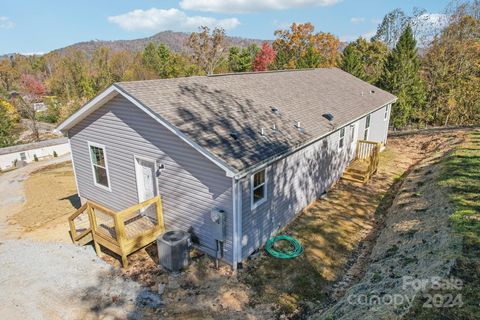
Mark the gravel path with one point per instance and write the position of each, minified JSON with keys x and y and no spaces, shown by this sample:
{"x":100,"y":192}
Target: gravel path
{"x":64,"y":281}
{"x":52,"y":280}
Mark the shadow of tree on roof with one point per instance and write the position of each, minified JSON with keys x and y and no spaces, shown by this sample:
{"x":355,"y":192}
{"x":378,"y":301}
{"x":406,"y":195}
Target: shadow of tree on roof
{"x":231,"y":126}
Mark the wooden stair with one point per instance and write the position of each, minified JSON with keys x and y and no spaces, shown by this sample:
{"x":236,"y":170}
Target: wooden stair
{"x":365,"y":163}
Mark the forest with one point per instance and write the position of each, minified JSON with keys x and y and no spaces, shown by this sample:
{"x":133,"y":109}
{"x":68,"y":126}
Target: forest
{"x":432,"y":67}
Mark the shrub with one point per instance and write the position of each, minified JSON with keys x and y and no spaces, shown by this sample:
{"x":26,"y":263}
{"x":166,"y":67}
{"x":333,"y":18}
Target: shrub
{"x":35,"y":158}
{"x":55,"y":154}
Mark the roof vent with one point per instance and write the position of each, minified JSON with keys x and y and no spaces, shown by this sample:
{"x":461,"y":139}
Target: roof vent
{"x":234,"y":135}
{"x":262,"y":132}
{"x":274,"y":127}
{"x":275,"y":110}
{"x":298,"y":125}
{"x":372,"y":91}
{"x":328,"y":116}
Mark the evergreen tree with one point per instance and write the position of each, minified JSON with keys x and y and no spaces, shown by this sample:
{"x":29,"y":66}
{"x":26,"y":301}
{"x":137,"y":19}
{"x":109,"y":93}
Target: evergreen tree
{"x":160,"y":60}
{"x":240,"y":60}
{"x":352,"y":62}
{"x":401,"y":77}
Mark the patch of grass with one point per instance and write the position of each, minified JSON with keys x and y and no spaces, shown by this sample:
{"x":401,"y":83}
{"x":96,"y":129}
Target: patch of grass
{"x":377,"y":277}
{"x":461,"y":176}
{"x":392,"y":250}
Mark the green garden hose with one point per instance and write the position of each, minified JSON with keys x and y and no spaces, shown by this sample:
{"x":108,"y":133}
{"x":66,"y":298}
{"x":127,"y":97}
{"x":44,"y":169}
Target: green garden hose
{"x":284,"y":254}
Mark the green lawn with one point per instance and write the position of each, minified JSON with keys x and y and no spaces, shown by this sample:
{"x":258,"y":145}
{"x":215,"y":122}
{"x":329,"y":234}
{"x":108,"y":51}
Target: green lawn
{"x":461,"y":177}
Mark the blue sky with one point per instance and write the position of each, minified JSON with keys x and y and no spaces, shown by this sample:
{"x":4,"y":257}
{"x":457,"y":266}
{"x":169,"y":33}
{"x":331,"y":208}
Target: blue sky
{"x":32,"y":26}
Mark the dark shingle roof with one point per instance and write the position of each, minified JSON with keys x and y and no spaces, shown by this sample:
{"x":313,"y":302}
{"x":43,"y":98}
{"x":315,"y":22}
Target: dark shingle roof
{"x":209,"y":109}
{"x":33,"y":145}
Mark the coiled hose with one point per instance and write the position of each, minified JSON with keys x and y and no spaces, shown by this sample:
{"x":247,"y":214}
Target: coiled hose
{"x":296,"y":250}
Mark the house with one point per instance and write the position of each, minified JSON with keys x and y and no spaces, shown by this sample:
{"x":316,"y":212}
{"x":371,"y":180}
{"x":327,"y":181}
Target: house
{"x":10,"y":156}
{"x":257,"y":147}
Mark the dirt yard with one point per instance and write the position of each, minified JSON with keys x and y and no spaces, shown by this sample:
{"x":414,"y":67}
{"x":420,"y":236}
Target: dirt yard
{"x":338,"y":233}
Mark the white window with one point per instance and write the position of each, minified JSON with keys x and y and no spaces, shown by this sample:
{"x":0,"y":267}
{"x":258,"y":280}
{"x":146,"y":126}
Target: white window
{"x":98,"y":158}
{"x":342,"y":138}
{"x":367,"y":128}
{"x":259,"y":188}
{"x":386,"y":112}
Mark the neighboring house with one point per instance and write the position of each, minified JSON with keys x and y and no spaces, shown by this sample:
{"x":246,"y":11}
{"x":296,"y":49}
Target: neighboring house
{"x":255,"y":145}
{"x":9,"y":156}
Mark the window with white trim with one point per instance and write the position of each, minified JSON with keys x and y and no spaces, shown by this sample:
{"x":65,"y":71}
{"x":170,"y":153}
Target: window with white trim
{"x":367,"y":128}
{"x":259,"y":188}
{"x":341,"y":141}
{"x":23,"y":156}
{"x":386,"y":112}
{"x":99,"y":165}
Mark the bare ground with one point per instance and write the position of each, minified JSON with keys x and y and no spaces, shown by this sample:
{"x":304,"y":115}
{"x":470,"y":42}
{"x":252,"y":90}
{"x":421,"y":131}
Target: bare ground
{"x":338,"y":234}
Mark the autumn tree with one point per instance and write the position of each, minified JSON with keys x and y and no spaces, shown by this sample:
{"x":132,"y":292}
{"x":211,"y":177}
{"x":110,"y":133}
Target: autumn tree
{"x":301,"y":47}
{"x":264,"y":58}
{"x":207,"y":48}
{"x":451,"y":69}
{"x":100,"y":65}
{"x":7,"y":126}
{"x":241,"y":59}
{"x":8,"y":75}
{"x":32,"y":92}
{"x":401,"y":77}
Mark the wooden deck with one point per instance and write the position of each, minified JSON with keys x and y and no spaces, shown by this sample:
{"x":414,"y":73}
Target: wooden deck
{"x":121,"y":232}
{"x":365,"y":163}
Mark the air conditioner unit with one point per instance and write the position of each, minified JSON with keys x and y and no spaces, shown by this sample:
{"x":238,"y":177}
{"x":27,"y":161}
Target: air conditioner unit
{"x":173,"y":250}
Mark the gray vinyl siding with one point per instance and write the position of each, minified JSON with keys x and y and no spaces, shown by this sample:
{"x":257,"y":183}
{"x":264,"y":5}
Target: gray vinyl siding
{"x":190,"y":185}
{"x":378,"y":126}
{"x":299,"y":179}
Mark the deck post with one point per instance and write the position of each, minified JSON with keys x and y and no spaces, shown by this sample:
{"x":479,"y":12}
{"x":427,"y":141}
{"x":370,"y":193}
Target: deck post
{"x":93,"y":225}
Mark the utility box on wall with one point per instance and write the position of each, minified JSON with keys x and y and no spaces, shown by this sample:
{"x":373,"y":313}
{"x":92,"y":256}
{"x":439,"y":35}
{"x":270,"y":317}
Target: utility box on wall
{"x":218,"y":218}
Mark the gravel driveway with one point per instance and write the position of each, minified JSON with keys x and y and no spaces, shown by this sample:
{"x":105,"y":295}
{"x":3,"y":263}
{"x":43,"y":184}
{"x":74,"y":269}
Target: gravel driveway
{"x":52,"y":280}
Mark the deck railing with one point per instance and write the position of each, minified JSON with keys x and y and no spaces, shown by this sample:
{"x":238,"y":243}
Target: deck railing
{"x":122,"y":232}
{"x":365,"y":163}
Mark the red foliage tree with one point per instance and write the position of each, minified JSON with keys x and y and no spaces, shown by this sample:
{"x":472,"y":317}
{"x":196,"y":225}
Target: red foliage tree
{"x":32,"y":86}
{"x":264,"y":58}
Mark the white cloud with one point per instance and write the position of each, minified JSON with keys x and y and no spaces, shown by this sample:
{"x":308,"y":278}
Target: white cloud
{"x":168,"y":19}
{"x":357,"y":20}
{"x":376,"y":21}
{"x":243,"y":6}
{"x":6,"y":23}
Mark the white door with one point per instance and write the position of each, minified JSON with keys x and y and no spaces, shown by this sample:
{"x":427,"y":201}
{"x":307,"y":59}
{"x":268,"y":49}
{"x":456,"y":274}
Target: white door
{"x":353,"y":139}
{"x":146,"y":180}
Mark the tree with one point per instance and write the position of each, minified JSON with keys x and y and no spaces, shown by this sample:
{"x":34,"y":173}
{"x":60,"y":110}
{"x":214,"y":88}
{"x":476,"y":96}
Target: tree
{"x":160,"y":60}
{"x":451,"y":69}
{"x":401,"y":77}
{"x":32,"y":92}
{"x":7,"y":127}
{"x":207,"y":48}
{"x":241,"y":59}
{"x":101,"y":73}
{"x":300,"y":47}
{"x":372,"y":56}
{"x":264,"y":58}
{"x":8,"y":75}
{"x":352,"y":62}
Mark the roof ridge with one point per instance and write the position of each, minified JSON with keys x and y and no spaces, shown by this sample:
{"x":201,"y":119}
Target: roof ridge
{"x":260,"y":72}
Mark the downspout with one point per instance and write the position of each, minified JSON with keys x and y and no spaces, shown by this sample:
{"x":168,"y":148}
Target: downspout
{"x":237,"y":222}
